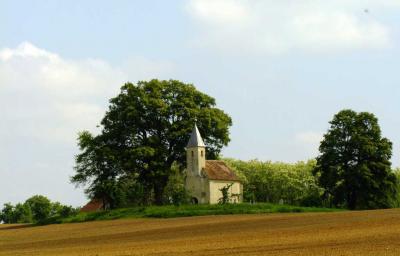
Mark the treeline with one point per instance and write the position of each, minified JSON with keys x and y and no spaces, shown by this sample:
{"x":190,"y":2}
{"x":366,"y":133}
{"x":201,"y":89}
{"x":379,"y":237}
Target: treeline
{"x":285,"y":183}
{"x":263,"y":182}
{"x":36,"y":209}
{"x":277,"y":182}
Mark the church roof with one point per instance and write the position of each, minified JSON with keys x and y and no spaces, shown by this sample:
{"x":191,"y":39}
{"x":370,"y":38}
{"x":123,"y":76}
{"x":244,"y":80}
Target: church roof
{"x":195,"y":139}
{"x":218,"y":170}
{"x":93,"y":205}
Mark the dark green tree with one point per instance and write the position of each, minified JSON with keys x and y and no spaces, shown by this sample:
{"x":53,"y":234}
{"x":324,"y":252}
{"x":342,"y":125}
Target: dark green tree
{"x":23,"y":213}
{"x":7,"y":214}
{"x":40,"y":207}
{"x":354,"y":164}
{"x":145,"y":131}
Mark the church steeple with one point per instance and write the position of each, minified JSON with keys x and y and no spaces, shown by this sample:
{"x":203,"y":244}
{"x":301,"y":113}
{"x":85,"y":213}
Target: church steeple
{"x":195,"y":139}
{"x":195,"y":153}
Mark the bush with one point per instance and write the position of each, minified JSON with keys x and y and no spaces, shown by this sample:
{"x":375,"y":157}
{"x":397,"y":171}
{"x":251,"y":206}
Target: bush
{"x":67,"y":211}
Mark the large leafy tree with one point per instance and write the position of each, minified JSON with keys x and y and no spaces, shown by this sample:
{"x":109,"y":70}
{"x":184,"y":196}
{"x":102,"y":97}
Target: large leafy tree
{"x":40,"y":207}
{"x":354,"y":163}
{"x":145,"y":131}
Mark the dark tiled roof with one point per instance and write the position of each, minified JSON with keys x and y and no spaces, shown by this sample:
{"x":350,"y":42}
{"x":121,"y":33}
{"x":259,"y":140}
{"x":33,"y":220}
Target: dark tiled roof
{"x":93,"y":205}
{"x":218,"y":170}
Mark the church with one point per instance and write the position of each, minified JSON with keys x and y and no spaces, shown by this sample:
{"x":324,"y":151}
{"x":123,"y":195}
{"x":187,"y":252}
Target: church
{"x":206,"y":178}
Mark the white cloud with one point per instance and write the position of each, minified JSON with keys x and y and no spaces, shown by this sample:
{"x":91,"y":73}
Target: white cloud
{"x":45,"y":100}
{"x":271,"y":27}
{"x":220,"y":12}
{"x":45,"y":96}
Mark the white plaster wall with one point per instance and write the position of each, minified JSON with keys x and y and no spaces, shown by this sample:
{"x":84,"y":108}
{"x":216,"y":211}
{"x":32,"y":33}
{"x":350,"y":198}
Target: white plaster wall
{"x":216,"y":194}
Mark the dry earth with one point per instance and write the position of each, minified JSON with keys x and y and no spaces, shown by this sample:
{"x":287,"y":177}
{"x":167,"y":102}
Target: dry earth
{"x":341,"y":233}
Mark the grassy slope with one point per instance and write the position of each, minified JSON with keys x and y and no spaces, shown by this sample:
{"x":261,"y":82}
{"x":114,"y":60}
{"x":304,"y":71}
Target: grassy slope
{"x":186,"y":211}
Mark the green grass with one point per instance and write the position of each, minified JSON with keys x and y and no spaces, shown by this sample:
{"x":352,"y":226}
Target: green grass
{"x":186,"y":211}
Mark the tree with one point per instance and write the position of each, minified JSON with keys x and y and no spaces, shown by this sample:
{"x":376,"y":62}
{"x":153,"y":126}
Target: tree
{"x":7,"y":214}
{"x":40,"y":206}
{"x":35,"y":209}
{"x":397,"y":173}
{"x":354,"y":164}
{"x":175,"y":192}
{"x":23,"y":213}
{"x":145,"y":131}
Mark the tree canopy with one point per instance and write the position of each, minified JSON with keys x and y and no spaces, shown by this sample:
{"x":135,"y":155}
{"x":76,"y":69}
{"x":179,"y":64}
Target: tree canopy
{"x":144,"y":132}
{"x":275,"y":182}
{"x":354,"y":164}
{"x":35,"y":209}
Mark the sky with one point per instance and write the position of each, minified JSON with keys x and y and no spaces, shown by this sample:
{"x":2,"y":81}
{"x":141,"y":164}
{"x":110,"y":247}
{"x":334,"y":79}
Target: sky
{"x":280,"y":69}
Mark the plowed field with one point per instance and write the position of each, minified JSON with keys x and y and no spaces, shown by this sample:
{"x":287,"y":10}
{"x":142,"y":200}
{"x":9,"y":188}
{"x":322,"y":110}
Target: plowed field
{"x":340,"y":233}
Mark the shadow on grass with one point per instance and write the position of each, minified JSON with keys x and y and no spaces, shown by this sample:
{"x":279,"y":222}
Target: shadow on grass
{"x":17,"y":226}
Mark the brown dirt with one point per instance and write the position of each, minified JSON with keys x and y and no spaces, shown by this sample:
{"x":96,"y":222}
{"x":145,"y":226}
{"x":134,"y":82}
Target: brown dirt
{"x":342,"y":233}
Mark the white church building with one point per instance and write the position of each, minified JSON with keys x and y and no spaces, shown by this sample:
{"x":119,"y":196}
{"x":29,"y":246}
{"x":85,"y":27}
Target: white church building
{"x":205,"y":178}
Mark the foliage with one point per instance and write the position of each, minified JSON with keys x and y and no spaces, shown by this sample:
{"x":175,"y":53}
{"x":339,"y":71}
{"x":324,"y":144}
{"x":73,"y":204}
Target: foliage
{"x":225,"y":194}
{"x":175,"y":192}
{"x":354,"y":163}
{"x":145,"y":131}
{"x":64,"y":211}
{"x":40,"y":207}
{"x":7,"y":214}
{"x":171,"y":211}
{"x":37,"y":209}
{"x":271,"y":182}
{"x":23,"y":213}
{"x":397,"y":199}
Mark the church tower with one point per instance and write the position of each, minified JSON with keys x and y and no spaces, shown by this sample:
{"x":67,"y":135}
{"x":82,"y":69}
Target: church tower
{"x":205,"y":178}
{"x":195,"y":153}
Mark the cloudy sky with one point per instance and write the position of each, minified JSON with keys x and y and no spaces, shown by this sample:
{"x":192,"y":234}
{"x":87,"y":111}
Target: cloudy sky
{"x":281,"y":69}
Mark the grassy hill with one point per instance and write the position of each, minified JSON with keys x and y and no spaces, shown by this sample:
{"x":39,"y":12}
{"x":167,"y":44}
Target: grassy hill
{"x":186,"y":211}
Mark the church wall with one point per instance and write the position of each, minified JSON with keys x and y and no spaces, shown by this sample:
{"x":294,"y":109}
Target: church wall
{"x":198,"y":187}
{"x":216,"y":194}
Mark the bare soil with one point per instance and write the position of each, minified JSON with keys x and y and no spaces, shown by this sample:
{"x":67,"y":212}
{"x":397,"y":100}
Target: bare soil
{"x":339,"y":233}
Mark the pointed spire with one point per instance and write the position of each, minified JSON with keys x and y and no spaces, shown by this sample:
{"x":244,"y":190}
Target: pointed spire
{"x":195,"y":139}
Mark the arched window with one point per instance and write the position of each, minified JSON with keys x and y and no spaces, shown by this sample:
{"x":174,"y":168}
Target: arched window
{"x":192,"y":153}
{"x":202,"y":153}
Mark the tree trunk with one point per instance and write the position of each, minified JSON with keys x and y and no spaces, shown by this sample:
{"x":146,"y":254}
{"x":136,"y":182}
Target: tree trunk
{"x":158,"y":194}
{"x":352,"y":200}
{"x":159,"y":190}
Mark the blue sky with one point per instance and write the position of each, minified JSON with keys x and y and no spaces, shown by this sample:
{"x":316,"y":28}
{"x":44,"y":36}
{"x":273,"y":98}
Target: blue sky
{"x":281,"y":69}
